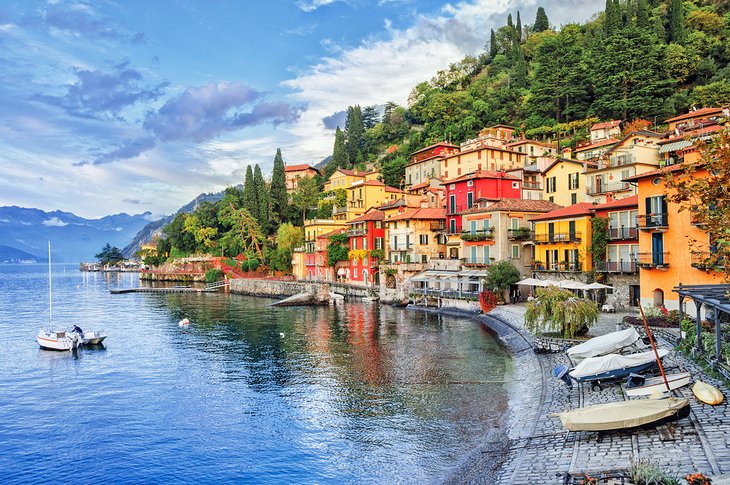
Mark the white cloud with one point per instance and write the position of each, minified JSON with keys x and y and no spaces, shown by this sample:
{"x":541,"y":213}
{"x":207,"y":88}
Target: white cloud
{"x":54,"y":222}
{"x":311,"y":5}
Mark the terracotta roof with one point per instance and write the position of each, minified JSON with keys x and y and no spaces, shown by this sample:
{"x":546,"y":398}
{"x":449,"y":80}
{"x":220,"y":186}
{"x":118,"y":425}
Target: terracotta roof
{"x":481,"y":174}
{"x":696,"y":113}
{"x":579,"y":209}
{"x":671,"y":168}
{"x":391,"y":205}
{"x":570,"y":160}
{"x":439,"y":144}
{"x":599,"y":143}
{"x":605,"y":124}
{"x":376,"y":183}
{"x":422,"y":185}
{"x":331,"y":233}
{"x":516,"y":205}
{"x":632,"y":201}
{"x":354,"y":173}
{"x":648,"y":133}
{"x":370,"y":215}
{"x":420,"y":213}
{"x":298,"y":168}
{"x":534,"y":142}
{"x":423,"y":160}
{"x":393,"y":190}
{"x":693,"y":133}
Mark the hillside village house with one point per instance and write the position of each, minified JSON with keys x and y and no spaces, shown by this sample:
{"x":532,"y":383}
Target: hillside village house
{"x":531,"y":177}
{"x":501,"y":231}
{"x":635,"y":153}
{"x":486,"y":152}
{"x":603,"y":136}
{"x":564,"y":181}
{"x":415,"y":235}
{"x":313,"y":229}
{"x":561,"y":238}
{"x":367,"y":247}
{"x":533,"y":149}
{"x":293,"y":173}
{"x":425,"y":164}
{"x":343,"y":178}
{"x":362,"y":195}
{"x":664,"y":258}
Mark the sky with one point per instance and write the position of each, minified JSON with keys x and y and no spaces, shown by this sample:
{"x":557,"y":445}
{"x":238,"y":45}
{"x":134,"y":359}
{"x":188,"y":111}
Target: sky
{"x":131,"y":106}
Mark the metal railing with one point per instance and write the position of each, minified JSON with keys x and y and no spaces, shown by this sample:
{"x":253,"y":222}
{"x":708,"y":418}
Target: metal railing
{"x":478,"y":235}
{"x":357,"y":232}
{"x":558,"y":267}
{"x":558,"y":237}
{"x":653,"y":221}
{"x":604,"y":188}
{"x":616,"y":267}
{"x":653,"y":259}
{"x":531,"y":185}
{"x":618,"y":233}
{"x":519,"y":234}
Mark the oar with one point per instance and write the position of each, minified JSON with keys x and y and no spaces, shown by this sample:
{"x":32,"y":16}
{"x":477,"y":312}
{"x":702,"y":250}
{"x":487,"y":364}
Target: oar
{"x":653,"y":346}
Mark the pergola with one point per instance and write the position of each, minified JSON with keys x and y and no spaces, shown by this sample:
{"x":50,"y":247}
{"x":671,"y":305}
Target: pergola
{"x":710,"y":296}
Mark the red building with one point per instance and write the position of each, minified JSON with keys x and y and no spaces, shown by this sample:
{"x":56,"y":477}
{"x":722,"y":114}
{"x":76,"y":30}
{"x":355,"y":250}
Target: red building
{"x":367,"y":247}
{"x":462,"y":193}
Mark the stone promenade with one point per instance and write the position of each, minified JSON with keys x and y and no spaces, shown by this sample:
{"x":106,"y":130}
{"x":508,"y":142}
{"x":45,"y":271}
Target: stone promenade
{"x":539,"y":450}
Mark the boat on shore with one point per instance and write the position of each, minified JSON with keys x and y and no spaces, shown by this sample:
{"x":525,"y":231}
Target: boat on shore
{"x":652,"y":385}
{"x":707,"y":394}
{"x":610,"y":343}
{"x":624,"y":414}
{"x":615,"y":366}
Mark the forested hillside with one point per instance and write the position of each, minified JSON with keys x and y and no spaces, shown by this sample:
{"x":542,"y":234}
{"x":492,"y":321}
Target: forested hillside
{"x":646,"y":59}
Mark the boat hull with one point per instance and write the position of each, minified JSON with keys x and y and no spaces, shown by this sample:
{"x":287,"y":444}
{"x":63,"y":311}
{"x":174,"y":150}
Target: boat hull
{"x":60,"y":341}
{"x":624,"y":415}
{"x":707,"y":394}
{"x":654,"y":384}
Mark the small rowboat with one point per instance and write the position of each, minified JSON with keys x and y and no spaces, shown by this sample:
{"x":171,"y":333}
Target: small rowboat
{"x":624,"y":414}
{"x":656,"y":384}
{"x":706,"y":393}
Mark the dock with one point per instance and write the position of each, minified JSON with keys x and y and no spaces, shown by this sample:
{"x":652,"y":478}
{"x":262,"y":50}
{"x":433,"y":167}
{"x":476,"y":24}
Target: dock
{"x":173,"y":289}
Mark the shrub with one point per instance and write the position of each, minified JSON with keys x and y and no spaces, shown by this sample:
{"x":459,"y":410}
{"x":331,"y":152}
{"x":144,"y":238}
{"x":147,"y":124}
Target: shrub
{"x":253,"y":264}
{"x":245,"y":266}
{"x":644,"y":472}
{"x":556,"y":309}
{"x":213,"y":275}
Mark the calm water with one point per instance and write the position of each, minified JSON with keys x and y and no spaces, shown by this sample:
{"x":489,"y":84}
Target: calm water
{"x":357,"y":393}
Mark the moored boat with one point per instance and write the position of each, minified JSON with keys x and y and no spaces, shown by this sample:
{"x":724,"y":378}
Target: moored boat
{"x":624,"y":414}
{"x":57,"y":340}
{"x":605,"y":344}
{"x":615,"y":366}
{"x":652,"y":385}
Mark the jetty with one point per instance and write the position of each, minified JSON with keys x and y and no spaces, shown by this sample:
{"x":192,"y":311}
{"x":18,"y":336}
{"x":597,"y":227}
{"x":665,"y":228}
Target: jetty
{"x":210,"y":287}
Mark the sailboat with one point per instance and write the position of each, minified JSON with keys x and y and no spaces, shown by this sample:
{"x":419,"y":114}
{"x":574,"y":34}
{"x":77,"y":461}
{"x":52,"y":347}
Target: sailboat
{"x":49,"y":338}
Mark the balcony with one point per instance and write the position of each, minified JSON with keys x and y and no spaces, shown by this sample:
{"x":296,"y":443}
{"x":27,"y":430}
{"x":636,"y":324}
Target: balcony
{"x":617,"y":267}
{"x":519,"y":234}
{"x":558,"y":237}
{"x":356,"y":232}
{"x":338,"y":210}
{"x":531,"y":186}
{"x":562,"y":267}
{"x":457,"y":209}
{"x":621,"y":160}
{"x":653,"y":260}
{"x":653,"y":222}
{"x":623,"y":233}
{"x":400,"y":247}
{"x":707,"y":260}
{"x":476,"y":262}
{"x":476,"y":236}
{"x":437,"y":226}
{"x":605,"y":188}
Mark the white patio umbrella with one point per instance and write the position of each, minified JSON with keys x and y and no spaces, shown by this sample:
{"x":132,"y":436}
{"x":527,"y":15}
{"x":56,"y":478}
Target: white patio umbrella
{"x":573,"y":285}
{"x":529,"y":282}
{"x":547,"y":283}
{"x":596,"y":286}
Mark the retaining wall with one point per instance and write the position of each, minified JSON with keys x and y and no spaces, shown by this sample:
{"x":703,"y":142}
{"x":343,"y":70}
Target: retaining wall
{"x":272,"y":289}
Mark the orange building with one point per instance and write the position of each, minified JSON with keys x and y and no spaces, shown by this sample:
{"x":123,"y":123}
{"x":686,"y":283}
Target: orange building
{"x":294,"y":172}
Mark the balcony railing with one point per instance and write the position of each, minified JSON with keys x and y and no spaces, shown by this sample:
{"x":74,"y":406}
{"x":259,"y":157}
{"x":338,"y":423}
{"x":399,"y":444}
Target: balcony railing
{"x":616,"y":267}
{"x":565,"y":266}
{"x":653,"y":260}
{"x":558,"y":237}
{"x":621,"y":233}
{"x":653,"y":221}
{"x":531,"y":185}
{"x":338,"y":210}
{"x":481,"y":262}
{"x":437,"y":226}
{"x":605,"y":188}
{"x":456,"y":209}
{"x":357,"y":232}
{"x":707,"y":260}
{"x":480,"y":235}
{"x":400,"y":247}
{"x":519,"y":234}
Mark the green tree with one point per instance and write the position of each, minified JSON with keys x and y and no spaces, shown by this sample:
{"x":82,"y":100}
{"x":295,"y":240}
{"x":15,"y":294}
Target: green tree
{"x":676,"y":21}
{"x":541,"y":21}
{"x":355,"y":135}
{"x":180,"y":238}
{"x":611,"y":17}
{"x":713,"y":94}
{"x":250,"y":193}
{"x":519,"y":27}
{"x":560,"y":310}
{"x":243,"y":233}
{"x":492,"y":44}
{"x":289,"y":236}
{"x":339,"y":155}
{"x":501,"y":275}
{"x":279,"y":196}
{"x":642,"y":14}
{"x":109,"y":255}
{"x":370,"y":117}
{"x":262,"y":199}
{"x":306,"y":195}
{"x":393,"y":171}
{"x":337,"y":249}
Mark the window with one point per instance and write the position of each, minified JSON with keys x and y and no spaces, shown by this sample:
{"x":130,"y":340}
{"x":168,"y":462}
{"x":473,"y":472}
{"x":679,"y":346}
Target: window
{"x":423,"y":239}
{"x":452,"y":186}
{"x":515,"y":185}
{"x":452,"y":226}
{"x":514,"y":223}
{"x":365,"y":244}
{"x":551,"y":198}
{"x":515,"y":251}
{"x":485,"y":224}
{"x":474,"y":254}
{"x":408,"y":223}
{"x":378,"y":224}
{"x":378,"y":243}
{"x":354,"y":261}
{"x":452,"y":204}
{"x":469,"y":183}
{"x":486,"y":254}
{"x":365,"y":261}
{"x":573,"y":181}
{"x":469,"y":199}
{"x":473,"y":226}
{"x":354,"y":243}
{"x":573,"y":198}
{"x":550,"y":185}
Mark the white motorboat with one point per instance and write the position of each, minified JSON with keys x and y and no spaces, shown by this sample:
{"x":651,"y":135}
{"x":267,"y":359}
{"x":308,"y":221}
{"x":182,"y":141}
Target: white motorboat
{"x":652,"y":385}
{"x":49,"y":338}
{"x":89,"y":337}
{"x":610,"y":343}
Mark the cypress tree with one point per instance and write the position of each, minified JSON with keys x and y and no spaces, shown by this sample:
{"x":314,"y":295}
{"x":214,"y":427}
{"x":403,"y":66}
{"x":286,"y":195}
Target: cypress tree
{"x":262,"y":199}
{"x":279,"y":196}
{"x":492,"y":44}
{"x":250,"y":194}
{"x":355,"y":134}
{"x":509,"y":21}
{"x":541,"y":21}
{"x":339,"y":155}
{"x":642,"y":14}
{"x":676,"y":21}
{"x":611,"y":18}
{"x":519,"y":27}
{"x":370,"y":117}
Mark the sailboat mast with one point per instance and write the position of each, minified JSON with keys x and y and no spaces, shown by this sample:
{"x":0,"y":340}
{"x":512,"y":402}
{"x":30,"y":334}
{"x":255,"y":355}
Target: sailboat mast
{"x":50,"y":290}
{"x":653,"y":346}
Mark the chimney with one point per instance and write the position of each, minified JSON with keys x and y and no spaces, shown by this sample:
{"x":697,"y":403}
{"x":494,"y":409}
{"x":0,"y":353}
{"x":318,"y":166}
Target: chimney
{"x":567,"y":152}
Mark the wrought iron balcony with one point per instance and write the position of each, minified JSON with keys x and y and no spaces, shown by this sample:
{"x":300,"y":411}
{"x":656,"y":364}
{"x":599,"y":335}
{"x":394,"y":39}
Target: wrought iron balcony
{"x":437,"y":226}
{"x":623,"y":233}
{"x":558,"y":237}
{"x":519,"y":234}
{"x":357,"y":232}
{"x":338,"y":210}
{"x":480,"y":235}
{"x":564,"y":266}
{"x":616,"y":267}
{"x":531,"y":185}
{"x":605,"y":188}
{"x":653,"y":260}
{"x":476,"y":262}
{"x":648,"y":222}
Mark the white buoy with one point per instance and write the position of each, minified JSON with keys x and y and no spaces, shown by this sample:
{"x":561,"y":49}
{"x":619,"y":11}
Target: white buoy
{"x":184,"y":322}
{"x":281,"y":334}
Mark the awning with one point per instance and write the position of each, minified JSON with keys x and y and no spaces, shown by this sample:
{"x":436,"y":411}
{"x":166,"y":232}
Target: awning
{"x":341,"y":271}
{"x":674,"y":146}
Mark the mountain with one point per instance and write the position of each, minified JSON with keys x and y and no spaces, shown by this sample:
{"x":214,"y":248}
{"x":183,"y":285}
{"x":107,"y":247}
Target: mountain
{"x":73,"y":238}
{"x":155,"y":227}
{"x":10,"y":255}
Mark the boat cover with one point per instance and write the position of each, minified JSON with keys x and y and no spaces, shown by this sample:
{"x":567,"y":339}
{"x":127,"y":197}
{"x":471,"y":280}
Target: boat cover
{"x":606,"y":363}
{"x":621,"y":415}
{"x":605,"y":344}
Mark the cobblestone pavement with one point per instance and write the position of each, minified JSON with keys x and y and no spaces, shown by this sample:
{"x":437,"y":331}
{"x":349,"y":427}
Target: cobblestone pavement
{"x":541,"y":452}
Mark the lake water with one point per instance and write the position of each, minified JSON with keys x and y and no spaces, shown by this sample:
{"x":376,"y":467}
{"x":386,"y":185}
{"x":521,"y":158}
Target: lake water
{"x":357,"y":393}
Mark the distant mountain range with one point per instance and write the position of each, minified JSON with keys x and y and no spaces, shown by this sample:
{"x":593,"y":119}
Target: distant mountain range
{"x":24,"y":234}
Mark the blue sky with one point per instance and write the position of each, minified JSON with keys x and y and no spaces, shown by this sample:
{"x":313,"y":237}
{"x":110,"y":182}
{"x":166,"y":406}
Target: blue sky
{"x":127,"y":106}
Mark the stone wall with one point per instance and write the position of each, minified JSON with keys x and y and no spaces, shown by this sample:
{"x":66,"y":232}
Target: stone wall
{"x":395,"y":287}
{"x":271,"y":288}
{"x":354,"y":291}
{"x":621,"y":283}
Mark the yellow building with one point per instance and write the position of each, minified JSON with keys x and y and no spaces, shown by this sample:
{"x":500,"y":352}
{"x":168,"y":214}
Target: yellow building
{"x":414,"y":235}
{"x":564,"y":181}
{"x":317,"y":227}
{"x":561,"y":240}
{"x":635,"y":153}
{"x":299,"y":268}
{"x":343,"y":178}
{"x":487,"y":152}
{"x":362,"y":195}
